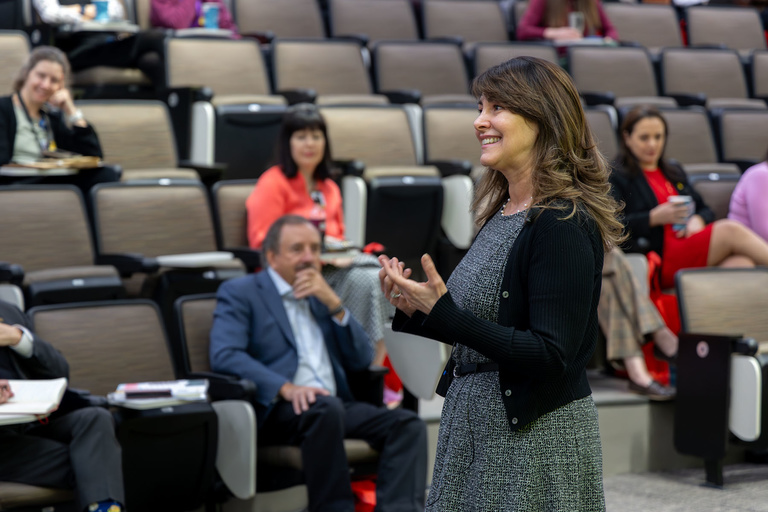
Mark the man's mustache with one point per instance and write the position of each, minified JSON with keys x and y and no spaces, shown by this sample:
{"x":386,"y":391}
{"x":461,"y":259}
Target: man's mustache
{"x":302,"y":266}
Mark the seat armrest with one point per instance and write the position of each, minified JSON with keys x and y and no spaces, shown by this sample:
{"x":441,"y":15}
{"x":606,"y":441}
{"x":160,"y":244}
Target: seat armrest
{"x":361,"y":39}
{"x":294,"y":96}
{"x":251,"y":258}
{"x":402,"y":96}
{"x":351,"y":167}
{"x":226,"y":387}
{"x":599,"y":98}
{"x":452,"y":167}
{"x":128,"y":264}
{"x":457,"y":40}
{"x":11,"y":273}
{"x":209,"y":173}
{"x":687,"y":100}
{"x":264,"y":37}
{"x":746,"y":346}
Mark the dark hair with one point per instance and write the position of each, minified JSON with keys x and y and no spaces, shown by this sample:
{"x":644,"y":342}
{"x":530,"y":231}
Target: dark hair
{"x":272,"y":240}
{"x":39,"y":54}
{"x":302,"y":116}
{"x":568,"y":167}
{"x":627,"y":160}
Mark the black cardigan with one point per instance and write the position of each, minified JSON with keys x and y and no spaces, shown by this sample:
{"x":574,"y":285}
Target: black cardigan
{"x":638,"y":198}
{"x":547,"y":327}
{"x":76,"y":139}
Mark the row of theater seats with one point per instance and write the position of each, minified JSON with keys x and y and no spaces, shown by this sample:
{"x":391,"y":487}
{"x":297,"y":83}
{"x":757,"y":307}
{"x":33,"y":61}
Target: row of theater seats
{"x":472,"y":21}
{"x":180,"y":457}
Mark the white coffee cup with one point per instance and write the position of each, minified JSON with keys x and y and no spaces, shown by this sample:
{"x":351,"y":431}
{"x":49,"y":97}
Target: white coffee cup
{"x":686,"y":200}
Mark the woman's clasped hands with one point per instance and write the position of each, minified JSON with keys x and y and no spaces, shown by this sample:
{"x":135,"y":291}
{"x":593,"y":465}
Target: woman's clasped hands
{"x":406,"y":294}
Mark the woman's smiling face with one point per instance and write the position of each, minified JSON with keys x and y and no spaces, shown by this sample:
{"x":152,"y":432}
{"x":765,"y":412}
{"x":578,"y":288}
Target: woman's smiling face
{"x":506,"y":139}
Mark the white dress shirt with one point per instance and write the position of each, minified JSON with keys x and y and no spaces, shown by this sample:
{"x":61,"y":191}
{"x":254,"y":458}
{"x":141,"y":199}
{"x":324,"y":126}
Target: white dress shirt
{"x":315,"y":367}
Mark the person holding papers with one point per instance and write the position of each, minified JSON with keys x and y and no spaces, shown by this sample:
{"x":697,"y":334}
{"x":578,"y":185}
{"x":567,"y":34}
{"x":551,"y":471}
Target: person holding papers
{"x":77,"y":449}
{"x":40,"y":118}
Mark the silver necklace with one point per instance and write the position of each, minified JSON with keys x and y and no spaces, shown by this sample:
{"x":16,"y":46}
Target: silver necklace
{"x":524,"y":207}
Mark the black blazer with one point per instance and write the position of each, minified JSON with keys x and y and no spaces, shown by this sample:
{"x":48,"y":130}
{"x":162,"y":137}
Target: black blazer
{"x":83,"y":141}
{"x":547,"y":327}
{"x":638,"y":198}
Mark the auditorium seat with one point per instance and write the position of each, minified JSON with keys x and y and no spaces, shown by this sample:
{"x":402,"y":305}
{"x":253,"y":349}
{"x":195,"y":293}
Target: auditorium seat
{"x":279,"y":482}
{"x":436,"y":70}
{"x":399,"y":190}
{"x":238,"y":127}
{"x":715,"y":188}
{"x":690,"y":140}
{"x":708,"y":76}
{"x":373,"y":20}
{"x":334,"y":70}
{"x":449,"y":136}
{"x":653,"y":26}
{"x":622,"y":76}
{"x":138,"y":136}
{"x":721,"y":381}
{"x":200,"y":62}
{"x":469,"y":21}
{"x":741,"y":135}
{"x":168,"y":454}
{"x":759,"y":76}
{"x":47,"y":233}
{"x":486,"y":55}
{"x":603,"y":121}
{"x":738,"y":28}
{"x":231,"y":219}
{"x":268,"y":19}
{"x":14,"y":50}
{"x":162,"y":234}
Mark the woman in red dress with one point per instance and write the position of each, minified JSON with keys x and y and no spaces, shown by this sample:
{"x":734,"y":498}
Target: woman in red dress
{"x":645,"y":181}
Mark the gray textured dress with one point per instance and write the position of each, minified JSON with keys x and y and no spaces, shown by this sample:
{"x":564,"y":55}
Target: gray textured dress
{"x":553,"y":464}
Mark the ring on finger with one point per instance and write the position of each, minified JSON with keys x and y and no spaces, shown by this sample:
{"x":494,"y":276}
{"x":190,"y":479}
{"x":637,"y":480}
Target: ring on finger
{"x":395,"y":295}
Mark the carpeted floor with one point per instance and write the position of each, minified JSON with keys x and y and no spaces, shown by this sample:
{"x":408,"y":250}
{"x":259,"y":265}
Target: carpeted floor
{"x":745,"y":490}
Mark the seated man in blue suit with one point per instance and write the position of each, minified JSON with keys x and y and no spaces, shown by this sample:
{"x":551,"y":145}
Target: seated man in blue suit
{"x":285,"y":329}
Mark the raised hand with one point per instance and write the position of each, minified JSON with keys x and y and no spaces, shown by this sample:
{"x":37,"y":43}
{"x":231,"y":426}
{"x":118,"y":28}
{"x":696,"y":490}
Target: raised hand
{"x":388,"y":288}
{"x":421,"y":296}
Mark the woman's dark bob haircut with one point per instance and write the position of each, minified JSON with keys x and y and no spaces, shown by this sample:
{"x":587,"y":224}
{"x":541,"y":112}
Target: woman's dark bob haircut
{"x":302,"y":116}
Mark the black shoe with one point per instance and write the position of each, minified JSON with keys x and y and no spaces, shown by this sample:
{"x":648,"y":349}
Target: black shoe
{"x":661,"y":356}
{"x":655,"y":391}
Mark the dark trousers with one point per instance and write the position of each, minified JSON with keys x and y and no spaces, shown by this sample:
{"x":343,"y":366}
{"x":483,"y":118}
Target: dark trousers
{"x":144,"y":50}
{"x":398,"y":435}
{"x":78,"y":450}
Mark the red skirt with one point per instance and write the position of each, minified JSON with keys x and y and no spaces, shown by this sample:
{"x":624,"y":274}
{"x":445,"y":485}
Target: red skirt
{"x":679,"y":253}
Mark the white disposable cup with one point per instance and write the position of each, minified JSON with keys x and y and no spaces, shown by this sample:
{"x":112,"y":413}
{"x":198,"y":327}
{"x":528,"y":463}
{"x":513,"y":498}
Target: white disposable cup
{"x":686,"y":200}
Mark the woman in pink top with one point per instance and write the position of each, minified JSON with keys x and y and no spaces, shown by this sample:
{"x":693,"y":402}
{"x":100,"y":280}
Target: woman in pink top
{"x":548,"y":19}
{"x":301,"y":185}
{"x":186,"y":14}
{"x":748,"y":202}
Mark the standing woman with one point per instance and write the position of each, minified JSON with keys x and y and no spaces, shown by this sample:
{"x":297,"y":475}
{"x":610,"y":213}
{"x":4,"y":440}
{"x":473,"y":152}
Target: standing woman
{"x":645,"y":181}
{"x":519,"y":428}
{"x":41,"y":116}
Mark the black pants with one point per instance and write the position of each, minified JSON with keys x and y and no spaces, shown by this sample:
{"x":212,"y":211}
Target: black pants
{"x":144,"y":50}
{"x":78,"y":450}
{"x":398,"y":435}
